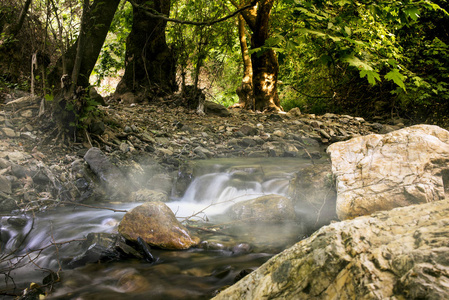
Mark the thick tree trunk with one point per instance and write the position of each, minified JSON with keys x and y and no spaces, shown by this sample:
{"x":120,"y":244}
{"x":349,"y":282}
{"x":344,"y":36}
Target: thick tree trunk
{"x":245,"y":90}
{"x":265,"y":65}
{"x":98,"y":21}
{"x":150,"y":65}
{"x":69,"y":105}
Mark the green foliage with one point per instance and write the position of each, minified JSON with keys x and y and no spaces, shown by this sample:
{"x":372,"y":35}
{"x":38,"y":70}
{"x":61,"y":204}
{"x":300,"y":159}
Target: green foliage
{"x":112,"y":56}
{"x":209,"y":55}
{"x":84,"y":109}
{"x":6,"y":84}
{"x":398,"y":47}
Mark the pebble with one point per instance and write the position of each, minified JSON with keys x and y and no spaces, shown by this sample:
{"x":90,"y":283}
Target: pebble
{"x":9,"y":132}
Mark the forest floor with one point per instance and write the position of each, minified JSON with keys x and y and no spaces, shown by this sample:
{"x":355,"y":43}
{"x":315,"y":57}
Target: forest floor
{"x":162,"y":132}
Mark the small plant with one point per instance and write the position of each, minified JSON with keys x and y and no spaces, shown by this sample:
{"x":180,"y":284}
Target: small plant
{"x":84,"y":110}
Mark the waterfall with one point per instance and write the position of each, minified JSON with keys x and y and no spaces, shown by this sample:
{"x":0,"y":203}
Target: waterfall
{"x":213,"y":193}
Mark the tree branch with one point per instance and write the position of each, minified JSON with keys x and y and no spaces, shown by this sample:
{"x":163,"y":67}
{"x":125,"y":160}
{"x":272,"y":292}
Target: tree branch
{"x":22,"y":16}
{"x":150,"y":13}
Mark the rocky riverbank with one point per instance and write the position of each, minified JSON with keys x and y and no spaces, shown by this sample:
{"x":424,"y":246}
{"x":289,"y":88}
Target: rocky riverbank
{"x":150,"y":142}
{"x":147,"y":153}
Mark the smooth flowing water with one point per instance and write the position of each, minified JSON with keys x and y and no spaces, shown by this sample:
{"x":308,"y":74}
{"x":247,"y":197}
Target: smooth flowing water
{"x":192,"y":274}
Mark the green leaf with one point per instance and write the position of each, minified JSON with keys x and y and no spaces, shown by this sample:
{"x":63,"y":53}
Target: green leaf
{"x":396,"y":77}
{"x":371,"y":75}
{"x":356,"y":62}
{"x":49,"y":97}
{"x":412,"y":12}
{"x":343,"y":2}
{"x":256,"y":50}
{"x":274,"y":40}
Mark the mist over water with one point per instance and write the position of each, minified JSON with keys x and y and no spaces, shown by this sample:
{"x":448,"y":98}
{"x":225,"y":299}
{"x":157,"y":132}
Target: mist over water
{"x":214,"y":193}
{"x":194,"y":272}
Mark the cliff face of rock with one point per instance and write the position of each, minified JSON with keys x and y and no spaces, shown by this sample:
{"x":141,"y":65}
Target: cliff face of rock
{"x":380,"y":172}
{"x":399,"y":254}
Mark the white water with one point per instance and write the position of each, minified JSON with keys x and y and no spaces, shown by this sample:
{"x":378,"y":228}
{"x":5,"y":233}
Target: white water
{"x":208,"y":195}
{"x":213,"y":193}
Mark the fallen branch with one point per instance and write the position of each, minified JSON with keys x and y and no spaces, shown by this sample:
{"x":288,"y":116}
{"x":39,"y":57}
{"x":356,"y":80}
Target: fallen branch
{"x":91,"y":206}
{"x":202,"y":211}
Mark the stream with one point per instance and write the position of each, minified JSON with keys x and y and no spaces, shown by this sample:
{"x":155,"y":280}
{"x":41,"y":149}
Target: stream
{"x":230,"y":253}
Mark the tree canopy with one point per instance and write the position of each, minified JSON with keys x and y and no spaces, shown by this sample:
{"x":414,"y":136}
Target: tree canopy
{"x":374,"y":59}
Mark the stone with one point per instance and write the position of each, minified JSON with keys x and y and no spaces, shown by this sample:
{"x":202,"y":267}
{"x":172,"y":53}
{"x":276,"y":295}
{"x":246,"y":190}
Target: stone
{"x":17,"y":156}
{"x":314,"y":195}
{"x":128,"y":98}
{"x":294,"y":112}
{"x":380,"y":172}
{"x":157,"y":225}
{"x":124,"y":147}
{"x":17,"y":222}
{"x":161,"y":182}
{"x":28,"y":135}
{"x":114,"y":181}
{"x":5,"y":185}
{"x":28,"y":113}
{"x":248,"y":130}
{"x":19,"y":171}
{"x":203,"y":152}
{"x":398,"y":254}
{"x":21,"y":103}
{"x":216,"y":109}
{"x":102,"y":247}
{"x":268,"y":208}
{"x":164,"y":152}
{"x":147,"y":195}
{"x":4,"y":163}
{"x":279,"y":133}
{"x":274,"y":117}
{"x":93,"y":94}
{"x":7,"y":204}
{"x":9,"y":132}
{"x":247,"y":142}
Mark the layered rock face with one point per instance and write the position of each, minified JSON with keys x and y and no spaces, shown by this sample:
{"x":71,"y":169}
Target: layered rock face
{"x":380,"y":172}
{"x":399,"y":254}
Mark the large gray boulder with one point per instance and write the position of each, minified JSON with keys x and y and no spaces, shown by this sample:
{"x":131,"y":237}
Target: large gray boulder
{"x":398,"y":254}
{"x":313,"y":192}
{"x":380,"y":172}
{"x":110,"y":176}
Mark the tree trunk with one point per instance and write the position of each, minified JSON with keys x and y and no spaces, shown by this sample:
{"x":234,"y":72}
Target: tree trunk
{"x":11,"y":30}
{"x":245,"y":90}
{"x":98,"y":21}
{"x":79,"y":48}
{"x":150,"y":65}
{"x":265,"y":64}
{"x":80,"y":59}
